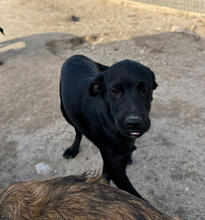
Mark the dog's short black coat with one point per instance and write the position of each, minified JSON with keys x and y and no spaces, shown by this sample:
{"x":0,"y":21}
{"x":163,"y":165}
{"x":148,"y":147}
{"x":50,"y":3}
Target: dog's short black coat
{"x":110,"y":106}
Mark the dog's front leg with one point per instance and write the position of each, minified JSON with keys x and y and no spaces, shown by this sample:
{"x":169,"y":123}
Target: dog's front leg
{"x":114,"y":168}
{"x":106,"y":175}
{"x":119,"y":177}
{"x":122,"y":181}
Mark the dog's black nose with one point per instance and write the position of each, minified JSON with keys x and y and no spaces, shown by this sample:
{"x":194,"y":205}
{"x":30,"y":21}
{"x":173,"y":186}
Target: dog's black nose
{"x":133,"y":122}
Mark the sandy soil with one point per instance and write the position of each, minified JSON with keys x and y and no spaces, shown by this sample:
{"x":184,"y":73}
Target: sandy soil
{"x":169,"y":165}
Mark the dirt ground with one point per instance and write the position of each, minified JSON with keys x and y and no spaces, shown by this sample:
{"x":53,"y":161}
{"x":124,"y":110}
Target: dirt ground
{"x":169,"y":165}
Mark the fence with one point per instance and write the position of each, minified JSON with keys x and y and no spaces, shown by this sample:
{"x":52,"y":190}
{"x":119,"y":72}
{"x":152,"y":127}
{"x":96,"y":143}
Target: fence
{"x":185,"y":5}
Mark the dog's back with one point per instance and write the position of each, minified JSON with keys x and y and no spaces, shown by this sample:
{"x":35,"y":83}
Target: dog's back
{"x":77,"y":70}
{"x":70,"y":198}
{"x":76,"y":74}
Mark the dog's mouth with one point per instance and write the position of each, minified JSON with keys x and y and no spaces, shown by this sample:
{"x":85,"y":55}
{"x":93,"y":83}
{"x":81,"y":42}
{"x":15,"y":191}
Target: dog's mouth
{"x":131,"y":134}
{"x":134,"y":134}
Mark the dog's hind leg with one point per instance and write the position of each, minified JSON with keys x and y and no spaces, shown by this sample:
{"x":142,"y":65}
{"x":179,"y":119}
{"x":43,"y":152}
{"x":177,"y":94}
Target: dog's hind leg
{"x":74,"y":149}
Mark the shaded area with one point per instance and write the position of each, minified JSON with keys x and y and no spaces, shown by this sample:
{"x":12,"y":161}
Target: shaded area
{"x":32,"y":44}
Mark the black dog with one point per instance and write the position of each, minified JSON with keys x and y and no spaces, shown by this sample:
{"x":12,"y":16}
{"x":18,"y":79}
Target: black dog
{"x":110,"y":106}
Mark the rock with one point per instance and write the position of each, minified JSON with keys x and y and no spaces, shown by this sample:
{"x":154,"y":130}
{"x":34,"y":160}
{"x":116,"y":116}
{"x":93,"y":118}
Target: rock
{"x":74,"y":18}
{"x":42,"y":168}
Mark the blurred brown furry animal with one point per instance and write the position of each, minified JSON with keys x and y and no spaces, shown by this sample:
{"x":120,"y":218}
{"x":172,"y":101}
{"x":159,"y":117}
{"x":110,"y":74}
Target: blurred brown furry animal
{"x":73,"y":198}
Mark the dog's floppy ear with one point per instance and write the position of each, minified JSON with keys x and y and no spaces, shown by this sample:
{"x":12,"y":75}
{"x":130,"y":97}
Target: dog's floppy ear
{"x":96,"y":86}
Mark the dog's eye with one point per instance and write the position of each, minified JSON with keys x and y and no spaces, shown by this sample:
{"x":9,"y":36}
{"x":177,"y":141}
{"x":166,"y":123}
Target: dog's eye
{"x":145,"y":90}
{"x":115,"y":91}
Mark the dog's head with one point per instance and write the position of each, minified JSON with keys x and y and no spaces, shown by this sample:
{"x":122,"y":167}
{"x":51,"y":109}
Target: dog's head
{"x":127,"y":88}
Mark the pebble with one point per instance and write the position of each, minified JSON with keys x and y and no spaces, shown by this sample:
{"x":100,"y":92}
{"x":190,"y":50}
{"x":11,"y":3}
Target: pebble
{"x":74,"y":18}
{"x":42,"y":168}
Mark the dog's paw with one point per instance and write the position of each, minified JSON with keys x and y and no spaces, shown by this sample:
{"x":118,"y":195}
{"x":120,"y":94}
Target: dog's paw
{"x":70,"y":152}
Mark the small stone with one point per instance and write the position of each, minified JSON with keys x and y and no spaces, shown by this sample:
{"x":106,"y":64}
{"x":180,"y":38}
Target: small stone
{"x":42,"y":168}
{"x":175,"y":29}
{"x":141,"y":51}
{"x":158,"y":28}
{"x":74,"y":18}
